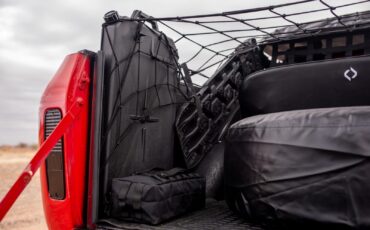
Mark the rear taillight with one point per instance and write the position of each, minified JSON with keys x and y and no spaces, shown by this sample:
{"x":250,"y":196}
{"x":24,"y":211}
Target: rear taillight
{"x":55,"y":161}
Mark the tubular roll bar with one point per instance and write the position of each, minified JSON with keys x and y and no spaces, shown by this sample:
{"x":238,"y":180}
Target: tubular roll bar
{"x":40,"y":156}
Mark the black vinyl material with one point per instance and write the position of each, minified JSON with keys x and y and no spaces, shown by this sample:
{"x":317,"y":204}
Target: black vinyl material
{"x":330,"y":83}
{"x":141,"y":98}
{"x":301,"y":169}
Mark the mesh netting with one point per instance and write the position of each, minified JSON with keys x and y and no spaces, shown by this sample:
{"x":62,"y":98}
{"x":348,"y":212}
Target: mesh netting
{"x":206,"y":41}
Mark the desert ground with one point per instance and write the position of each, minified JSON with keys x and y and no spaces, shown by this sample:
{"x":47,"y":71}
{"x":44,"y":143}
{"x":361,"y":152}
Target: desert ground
{"x":27,"y":211}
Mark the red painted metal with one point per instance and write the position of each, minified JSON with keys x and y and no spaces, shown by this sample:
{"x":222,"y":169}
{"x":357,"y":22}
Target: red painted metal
{"x":72,"y":81}
{"x":44,"y":150}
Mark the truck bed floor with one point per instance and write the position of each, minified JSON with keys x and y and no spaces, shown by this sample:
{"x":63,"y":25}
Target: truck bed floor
{"x":216,"y":215}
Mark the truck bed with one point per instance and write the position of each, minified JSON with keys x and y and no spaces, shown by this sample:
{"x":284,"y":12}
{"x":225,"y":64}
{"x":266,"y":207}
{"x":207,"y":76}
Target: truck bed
{"x":216,"y":215}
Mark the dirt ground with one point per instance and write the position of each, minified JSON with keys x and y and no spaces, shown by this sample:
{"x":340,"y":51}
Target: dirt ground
{"x":27,"y":212}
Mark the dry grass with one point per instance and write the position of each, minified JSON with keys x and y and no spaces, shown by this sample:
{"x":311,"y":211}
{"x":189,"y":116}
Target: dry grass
{"x":20,"y":148}
{"x":27,"y":211}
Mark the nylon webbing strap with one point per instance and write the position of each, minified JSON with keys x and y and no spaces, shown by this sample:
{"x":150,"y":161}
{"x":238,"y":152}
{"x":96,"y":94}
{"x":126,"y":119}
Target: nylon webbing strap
{"x":172,"y":172}
{"x":135,"y":195}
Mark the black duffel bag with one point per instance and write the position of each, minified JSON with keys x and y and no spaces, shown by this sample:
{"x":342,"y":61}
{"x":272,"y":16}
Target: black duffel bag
{"x":157,"y":196}
{"x":321,"y":84}
{"x":301,"y":169}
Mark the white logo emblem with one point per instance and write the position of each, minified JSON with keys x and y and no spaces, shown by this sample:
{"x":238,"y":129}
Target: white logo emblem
{"x":350,"y":74}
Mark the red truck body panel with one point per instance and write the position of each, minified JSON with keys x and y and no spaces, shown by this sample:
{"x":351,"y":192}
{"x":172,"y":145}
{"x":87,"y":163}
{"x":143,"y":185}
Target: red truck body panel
{"x":69,"y":83}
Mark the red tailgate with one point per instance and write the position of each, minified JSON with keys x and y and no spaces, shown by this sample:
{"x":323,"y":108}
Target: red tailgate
{"x":63,"y":176}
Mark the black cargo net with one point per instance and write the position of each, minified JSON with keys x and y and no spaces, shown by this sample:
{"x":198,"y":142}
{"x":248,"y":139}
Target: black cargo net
{"x":141,"y":95}
{"x":220,"y":49}
{"x":206,"y":41}
{"x":138,"y":52}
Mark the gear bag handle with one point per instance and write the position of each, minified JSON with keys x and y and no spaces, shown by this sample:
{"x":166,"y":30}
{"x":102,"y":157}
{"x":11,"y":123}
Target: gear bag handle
{"x":137,"y":14}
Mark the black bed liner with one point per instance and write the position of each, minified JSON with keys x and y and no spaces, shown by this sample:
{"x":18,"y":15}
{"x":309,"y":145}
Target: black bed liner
{"x":216,"y":215}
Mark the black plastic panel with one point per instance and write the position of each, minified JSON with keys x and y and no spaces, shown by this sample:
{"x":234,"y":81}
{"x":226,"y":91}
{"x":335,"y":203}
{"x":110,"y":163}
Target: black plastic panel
{"x":55,"y":161}
{"x":96,"y":125}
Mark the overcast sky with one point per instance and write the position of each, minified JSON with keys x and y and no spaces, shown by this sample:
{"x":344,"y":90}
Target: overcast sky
{"x":36,"y":35}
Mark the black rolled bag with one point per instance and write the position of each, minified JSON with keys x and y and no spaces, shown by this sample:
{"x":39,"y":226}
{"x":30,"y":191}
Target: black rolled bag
{"x":301,"y":169}
{"x":157,"y":196}
{"x":320,"y":84}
